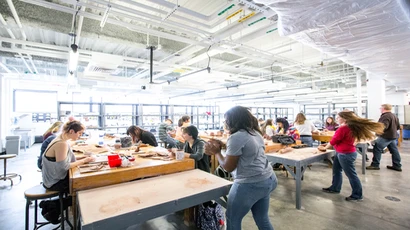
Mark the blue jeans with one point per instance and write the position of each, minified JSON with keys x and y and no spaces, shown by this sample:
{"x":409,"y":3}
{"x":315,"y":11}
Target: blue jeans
{"x":345,"y":162}
{"x":307,"y":141}
{"x":382,"y":143}
{"x":250,"y":196}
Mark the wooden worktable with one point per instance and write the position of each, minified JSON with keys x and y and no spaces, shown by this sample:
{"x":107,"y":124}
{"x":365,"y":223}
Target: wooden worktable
{"x":323,"y":137}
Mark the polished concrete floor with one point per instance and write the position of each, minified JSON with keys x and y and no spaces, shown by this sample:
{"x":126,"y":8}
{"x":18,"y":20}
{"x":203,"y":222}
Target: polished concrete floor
{"x":320,"y":210}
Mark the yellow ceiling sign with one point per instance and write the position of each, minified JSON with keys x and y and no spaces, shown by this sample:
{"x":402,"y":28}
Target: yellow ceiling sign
{"x":179,"y":70}
{"x":234,"y":14}
{"x":247,"y":17}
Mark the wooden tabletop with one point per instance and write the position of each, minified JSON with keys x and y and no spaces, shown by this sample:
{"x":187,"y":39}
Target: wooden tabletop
{"x":300,"y":154}
{"x":108,"y":202}
{"x":324,"y":136}
{"x":140,"y":168}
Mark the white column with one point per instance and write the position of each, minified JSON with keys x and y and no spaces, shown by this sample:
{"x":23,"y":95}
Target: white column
{"x":359,"y":91}
{"x":376,"y":94}
{"x":2,"y":123}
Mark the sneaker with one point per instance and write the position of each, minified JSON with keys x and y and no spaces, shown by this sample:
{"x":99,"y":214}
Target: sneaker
{"x":394,"y":168}
{"x":328,"y":190}
{"x":350,"y":198}
{"x":371,"y":167}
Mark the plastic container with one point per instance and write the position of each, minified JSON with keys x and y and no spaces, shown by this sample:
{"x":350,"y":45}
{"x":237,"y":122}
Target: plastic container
{"x":114,"y":160}
{"x":179,"y":155}
{"x":13,"y":144}
{"x":101,"y":139}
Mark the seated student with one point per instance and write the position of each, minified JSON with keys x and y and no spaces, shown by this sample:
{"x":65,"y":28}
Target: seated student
{"x":184,"y":121}
{"x":283,"y":126}
{"x":268,"y":129}
{"x":163,"y":132}
{"x":58,"y":158}
{"x":137,"y":134}
{"x":54,"y":128}
{"x":330,"y":124}
{"x":194,"y":148}
{"x":48,"y":137}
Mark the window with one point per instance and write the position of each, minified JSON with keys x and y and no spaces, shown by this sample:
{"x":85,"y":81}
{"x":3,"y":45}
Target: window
{"x":32,"y":101}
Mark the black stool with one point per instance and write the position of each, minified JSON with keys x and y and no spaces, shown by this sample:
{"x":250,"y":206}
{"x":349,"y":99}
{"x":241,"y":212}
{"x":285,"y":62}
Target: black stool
{"x":40,"y":193}
{"x":8,"y":176}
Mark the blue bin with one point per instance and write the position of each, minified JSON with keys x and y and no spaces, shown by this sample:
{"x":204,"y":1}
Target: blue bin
{"x":406,"y":133}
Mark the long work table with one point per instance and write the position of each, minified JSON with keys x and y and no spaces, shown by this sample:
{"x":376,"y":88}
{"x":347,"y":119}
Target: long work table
{"x":140,"y":168}
{"x":123,"y":205}
{"x":300,"y":159}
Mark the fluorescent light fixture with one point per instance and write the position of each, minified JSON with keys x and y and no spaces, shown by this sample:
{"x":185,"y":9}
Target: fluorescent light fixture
{"x":73,"y":61}
{"x":171,"y":12}
{"x":289,"y":90}
{"x":105,"y":16}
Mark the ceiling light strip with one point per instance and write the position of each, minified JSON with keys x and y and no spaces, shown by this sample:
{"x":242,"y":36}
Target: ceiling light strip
{"x":252,"y":23}
{"x":247,"y":17}
{"x":226,"y":9}
{"x":234,"y":14}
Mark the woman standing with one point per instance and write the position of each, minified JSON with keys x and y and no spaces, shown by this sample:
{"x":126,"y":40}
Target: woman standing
{"x":137,"y":134}
{"x":183,"y":122}
{"x":351,"y":128}
{"x":330,"y":124}
{"x":245,"y":158}
{"x":194,"y":148}
{"x":59,"y":158}
{"x":305,"y":128}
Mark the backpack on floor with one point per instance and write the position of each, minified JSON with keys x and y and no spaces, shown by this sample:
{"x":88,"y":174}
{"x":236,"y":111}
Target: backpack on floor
{"x":50,"y":209}
{"x":210,"y":216}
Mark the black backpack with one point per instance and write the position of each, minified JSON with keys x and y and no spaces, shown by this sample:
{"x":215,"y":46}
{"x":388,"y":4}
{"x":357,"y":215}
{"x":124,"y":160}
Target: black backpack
{"x":50,"y":209}
{"x":210,"y":216}
{"x":283,"y":139}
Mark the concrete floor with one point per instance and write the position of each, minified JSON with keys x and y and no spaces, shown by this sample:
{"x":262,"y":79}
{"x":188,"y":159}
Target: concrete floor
{"x":320,"y":210}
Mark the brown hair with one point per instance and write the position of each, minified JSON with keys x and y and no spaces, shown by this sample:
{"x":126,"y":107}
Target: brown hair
{"x":76,"y":126}
{"x":387,"y":107}
{"x":300,"y":119}
{"x":331,"y":123}
{"x":362,"y":128}
{"x":135,"y":130}
{"x":267,"y":123}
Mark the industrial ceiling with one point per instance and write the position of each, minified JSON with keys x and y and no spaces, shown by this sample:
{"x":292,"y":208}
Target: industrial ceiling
{"x":252,"y":47}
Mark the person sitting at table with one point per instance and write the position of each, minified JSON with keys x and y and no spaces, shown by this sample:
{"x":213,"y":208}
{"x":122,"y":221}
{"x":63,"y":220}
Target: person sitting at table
{"x":137,"y":134}
{"x":184,"y":121}
{"x":54,"y":128}
{"x":330,"y":124}
{"x":254,"y":179}
{"x":194,"y":148}
{"x":283,"y":126}
{"x":268,"y":129}
{"x":305,"y":128}
{"x":164,"y":131}
{"x":352,"y":128}
{"x":58,"y":158}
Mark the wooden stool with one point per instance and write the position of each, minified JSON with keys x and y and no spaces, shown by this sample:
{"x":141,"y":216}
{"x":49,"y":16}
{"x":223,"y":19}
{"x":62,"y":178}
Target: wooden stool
{"x":40,"y":193}
{"x":8,"y":176}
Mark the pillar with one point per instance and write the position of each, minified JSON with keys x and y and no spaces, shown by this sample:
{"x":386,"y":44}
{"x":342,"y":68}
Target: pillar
{"x":376,"y":95}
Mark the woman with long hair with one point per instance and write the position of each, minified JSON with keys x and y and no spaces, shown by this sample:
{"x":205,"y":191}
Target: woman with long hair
{"x":351,"y":128}
{"x":305,"y":128}
{"x":137,"y":134}
{"x":58,"y":158}
{"x":54,"y":128}
{"x":194,"y":148}
{"x":330,"y":124}
{"x":268,"y":130}
{"x":245,"y":158}
{"x":283,"y":126}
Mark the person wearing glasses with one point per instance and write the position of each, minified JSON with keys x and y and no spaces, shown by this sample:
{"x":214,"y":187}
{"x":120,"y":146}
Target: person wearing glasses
{"x":245,"y":158}
{"x":351,"y":128}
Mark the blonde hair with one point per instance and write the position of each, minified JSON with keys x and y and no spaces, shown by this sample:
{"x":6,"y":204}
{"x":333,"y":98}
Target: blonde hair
{"x":55,"y":127}
{"x":387,"y":107}
{"x":300,"y":119}
{"x":362,"y":128}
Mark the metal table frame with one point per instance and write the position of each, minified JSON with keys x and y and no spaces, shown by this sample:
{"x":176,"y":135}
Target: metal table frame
{"x":298,"y":164}
{"x":361,"y":148}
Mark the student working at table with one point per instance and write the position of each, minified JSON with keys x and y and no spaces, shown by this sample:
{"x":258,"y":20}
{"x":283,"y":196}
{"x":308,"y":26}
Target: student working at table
{"x":139,"y":135}
{"x":194,"y":148}
{"x":351,"y":129}
{"x":330,"y":124}
{"x":305,"y":128}
{"x":254,"y":179}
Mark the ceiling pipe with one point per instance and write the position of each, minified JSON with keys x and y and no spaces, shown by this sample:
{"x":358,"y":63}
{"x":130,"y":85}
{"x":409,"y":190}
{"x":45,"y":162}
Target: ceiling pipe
{"x":79,"y":27}
{"x":16,"y":18}
{"x":5,"y":68}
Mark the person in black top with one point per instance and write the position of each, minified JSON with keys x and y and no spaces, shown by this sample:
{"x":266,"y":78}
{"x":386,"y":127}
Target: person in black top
{"x":387,"y":139}
{"x":137,"y":134}
{"x":44,"y":146}
{"x":194,"y":148}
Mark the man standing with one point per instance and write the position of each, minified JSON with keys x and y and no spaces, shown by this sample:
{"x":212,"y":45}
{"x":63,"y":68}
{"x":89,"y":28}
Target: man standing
{"x":387,"y":139}
{"x":163,"y":133}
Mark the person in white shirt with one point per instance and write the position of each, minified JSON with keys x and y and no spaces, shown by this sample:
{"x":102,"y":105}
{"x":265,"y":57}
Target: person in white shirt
{"x":305,"y":128}
{"x":268,"y":130}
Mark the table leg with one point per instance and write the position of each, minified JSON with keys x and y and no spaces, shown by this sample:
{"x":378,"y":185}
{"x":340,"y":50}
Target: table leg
{"x":362,"y":149}
{"x":75,"y":211}
{"x":298,"y":186}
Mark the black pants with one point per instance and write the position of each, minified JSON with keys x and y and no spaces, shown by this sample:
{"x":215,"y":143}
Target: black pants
{"x":60,"y":186}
